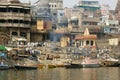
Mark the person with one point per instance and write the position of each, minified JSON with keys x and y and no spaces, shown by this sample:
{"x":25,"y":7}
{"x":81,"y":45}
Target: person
{"x":2,"y":63}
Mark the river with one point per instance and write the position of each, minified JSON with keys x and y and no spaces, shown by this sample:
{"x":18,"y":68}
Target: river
{"x":103,"y":73}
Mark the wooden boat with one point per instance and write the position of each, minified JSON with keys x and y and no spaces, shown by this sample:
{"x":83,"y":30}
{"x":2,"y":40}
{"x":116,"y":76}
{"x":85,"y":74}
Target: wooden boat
{"x":111,"y":62}
{"x":53,"y":63}
{"x":26,"y":64}
{"x":72,"y":65}
{"x":4,"y":67}
{"x":90,"y":63}
{"x":39,"y":65}
{"x":24,"y":67}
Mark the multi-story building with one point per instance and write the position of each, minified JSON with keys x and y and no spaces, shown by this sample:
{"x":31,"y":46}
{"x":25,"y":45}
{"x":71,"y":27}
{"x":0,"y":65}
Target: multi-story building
{"x":47,"y":9}
{"x":74,"y":16}
{"x":117,"y":10}
{"x":91,"y":14}
{"x":46,"y":13}
{"x":55,"y":4}
{"x":15,"y":18}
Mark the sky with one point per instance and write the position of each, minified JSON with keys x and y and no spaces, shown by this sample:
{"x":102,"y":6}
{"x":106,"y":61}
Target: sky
{"x":71,"y":3}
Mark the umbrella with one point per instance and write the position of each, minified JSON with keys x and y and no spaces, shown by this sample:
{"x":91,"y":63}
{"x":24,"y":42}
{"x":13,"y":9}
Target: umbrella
{"x":2,"y":48}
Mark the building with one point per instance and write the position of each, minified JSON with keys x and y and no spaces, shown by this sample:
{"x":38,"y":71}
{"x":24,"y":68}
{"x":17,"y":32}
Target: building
{"x":39,"y":32}
{"x":74,"y":16}
{"x":91,"y":14}
{"x":41,"y":10}
{"x":55,"y":4}
{"x":47,"y":9}
{"x":62,"y":19}
{"x":65,"y":41}
{"x":85,"y":41}
{"x":114,"y":41}
{"x":117,"y":11}
{"x":15,"y":18}
{"x":87,"y":5}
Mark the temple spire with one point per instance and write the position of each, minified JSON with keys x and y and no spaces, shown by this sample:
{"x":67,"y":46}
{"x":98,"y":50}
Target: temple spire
{"x":86,"y":32}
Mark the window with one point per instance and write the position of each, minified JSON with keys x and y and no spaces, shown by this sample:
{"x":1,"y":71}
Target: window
{"x":87,"y":42}
{"x":3,"y":9}
{"x":55,"y":6}
{"x":61,"y":14}
{"x":23,"y":34}
{"x":14,"y":33}
{"x":54,"y":14}
{"x":91,"y":43}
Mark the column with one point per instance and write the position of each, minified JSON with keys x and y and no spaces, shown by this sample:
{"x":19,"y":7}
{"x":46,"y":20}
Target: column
{"x":90,"y":43}
{"x":18,"y":32}
{"x":10,"y":33}
{"x":28,"y":36}
{"x":93,"y":42}
{"x":84,"y":43}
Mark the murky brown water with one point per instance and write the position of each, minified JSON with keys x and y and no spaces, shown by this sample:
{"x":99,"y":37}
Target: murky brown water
{"x":104,"y":73}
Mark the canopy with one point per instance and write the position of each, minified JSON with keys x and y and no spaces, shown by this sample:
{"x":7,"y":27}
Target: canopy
{"x":2,"y":48}
{"x":9,"y":48}
{"x":15,"y":38}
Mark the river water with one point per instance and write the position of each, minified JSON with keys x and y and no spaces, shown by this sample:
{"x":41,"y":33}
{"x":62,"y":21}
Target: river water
{"x":103,"y":73}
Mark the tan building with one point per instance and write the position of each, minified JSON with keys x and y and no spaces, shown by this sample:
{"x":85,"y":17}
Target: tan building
{"x":64,"y":41}
{"x":114,"y":41}
{"x":55,"y":4}
{"x":117,"y":11}
{"x":39,"y":32}
{"x":74,"y":16}
{"x":86,"y":41}
{"x":15,"y":18}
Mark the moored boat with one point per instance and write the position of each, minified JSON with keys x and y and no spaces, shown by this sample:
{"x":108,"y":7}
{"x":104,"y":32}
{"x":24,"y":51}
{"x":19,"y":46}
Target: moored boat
{"x":26,"y":64}
{"x":3,"y":66}
{"x":90,"y":63}
{"x":24,"y":67}
{"x":72,"y":65}
{"x":111,"y":62}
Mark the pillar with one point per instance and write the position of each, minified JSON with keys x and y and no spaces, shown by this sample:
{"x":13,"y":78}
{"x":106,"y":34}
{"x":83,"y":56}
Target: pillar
{"x":18,"y":32}
{"x":28,"y":36}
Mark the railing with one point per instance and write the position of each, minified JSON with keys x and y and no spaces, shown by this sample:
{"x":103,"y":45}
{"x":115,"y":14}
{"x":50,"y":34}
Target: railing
{"x":90,"y":19}
{"x":14,"y":25}
{"x":27,"y":18}
{"x":27,"y":15}
{"x":3,"y":25}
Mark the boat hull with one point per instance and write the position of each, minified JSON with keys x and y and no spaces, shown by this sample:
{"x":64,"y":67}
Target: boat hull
{"x":25,"y":67}
{"x":4,"y":67}
{"x":90,"y":65}
{"x":73,"y":66}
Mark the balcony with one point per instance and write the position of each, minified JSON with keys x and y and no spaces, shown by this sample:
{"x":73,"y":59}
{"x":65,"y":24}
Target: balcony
{"x":90,"y":19}
{"x":14,"y":25}
{"x":2,"y":17}
{"x":3,"y":25}
{"x":27,"y":15}
{"x":17,"y":16}
{"x":27,"y":19}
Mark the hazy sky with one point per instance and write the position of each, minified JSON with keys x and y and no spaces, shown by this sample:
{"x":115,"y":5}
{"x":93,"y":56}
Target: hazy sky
{"x":70,"y":3}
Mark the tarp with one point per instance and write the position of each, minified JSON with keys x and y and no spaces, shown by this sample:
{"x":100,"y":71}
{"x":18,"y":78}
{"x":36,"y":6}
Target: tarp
{"x":3,"y":54}
{"x":2,"y":48}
